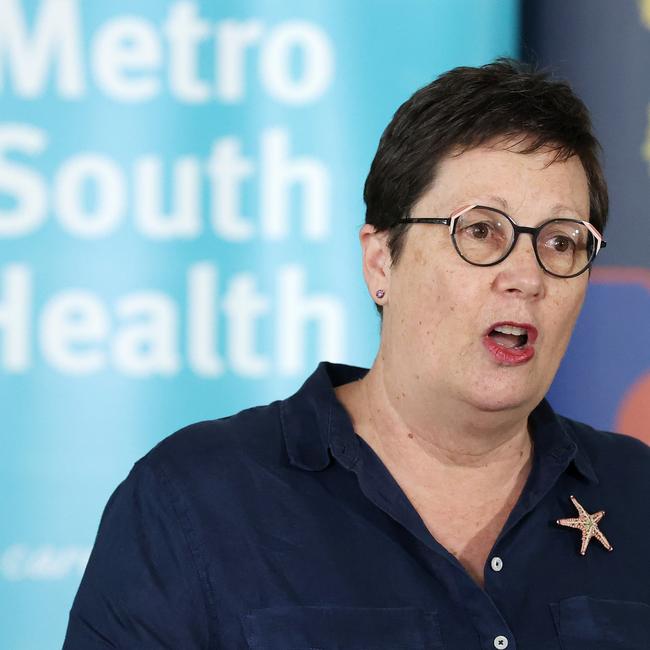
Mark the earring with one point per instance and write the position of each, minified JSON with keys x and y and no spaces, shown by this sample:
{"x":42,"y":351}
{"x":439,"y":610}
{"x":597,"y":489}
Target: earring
{"x":380,"y":293}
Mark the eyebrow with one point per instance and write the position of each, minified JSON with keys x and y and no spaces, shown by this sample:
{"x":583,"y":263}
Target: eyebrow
{"x":502,"y":203}
{"x":558,"y":208}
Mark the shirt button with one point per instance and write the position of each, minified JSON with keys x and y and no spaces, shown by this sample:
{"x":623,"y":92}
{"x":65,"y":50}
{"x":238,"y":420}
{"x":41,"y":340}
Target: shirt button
{"x":500,"y":642}
{"x":497,"y":565}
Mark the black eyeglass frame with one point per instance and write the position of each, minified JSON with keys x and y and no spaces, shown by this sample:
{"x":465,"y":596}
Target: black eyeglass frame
{"x":533,"y":232}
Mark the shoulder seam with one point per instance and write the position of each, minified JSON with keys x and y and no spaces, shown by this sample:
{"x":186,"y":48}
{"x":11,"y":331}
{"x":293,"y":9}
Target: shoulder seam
{"x":181,"y":512}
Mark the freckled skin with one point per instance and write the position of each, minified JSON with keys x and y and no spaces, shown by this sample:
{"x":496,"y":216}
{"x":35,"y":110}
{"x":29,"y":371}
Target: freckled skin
{"x":468,"y":451}
{"x":449,"y":303}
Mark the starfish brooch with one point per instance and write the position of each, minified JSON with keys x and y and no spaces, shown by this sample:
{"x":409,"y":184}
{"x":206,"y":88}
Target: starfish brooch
{"x":588,"y":524}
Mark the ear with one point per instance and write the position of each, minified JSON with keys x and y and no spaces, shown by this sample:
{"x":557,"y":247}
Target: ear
{"x":376,"y":261}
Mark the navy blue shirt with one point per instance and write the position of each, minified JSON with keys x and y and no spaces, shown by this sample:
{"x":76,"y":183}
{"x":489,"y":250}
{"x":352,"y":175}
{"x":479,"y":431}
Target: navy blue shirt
{"x":280,"y":529}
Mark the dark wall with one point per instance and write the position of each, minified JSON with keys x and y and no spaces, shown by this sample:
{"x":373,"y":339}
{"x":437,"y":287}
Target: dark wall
{"x":602,"y":47}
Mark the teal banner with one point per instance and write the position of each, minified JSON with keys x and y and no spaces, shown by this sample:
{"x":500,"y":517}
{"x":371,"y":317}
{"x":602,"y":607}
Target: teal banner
{"x":180,"y":196}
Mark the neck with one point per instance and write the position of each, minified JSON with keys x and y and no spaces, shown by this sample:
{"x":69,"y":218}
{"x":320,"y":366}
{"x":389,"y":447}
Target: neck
{"x":432,"y":440}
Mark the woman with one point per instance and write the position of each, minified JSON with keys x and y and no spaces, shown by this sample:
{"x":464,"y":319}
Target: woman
{"x":435,"y":500}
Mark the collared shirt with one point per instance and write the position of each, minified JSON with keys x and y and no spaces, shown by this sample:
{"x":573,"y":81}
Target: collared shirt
{"x":280,"y":529}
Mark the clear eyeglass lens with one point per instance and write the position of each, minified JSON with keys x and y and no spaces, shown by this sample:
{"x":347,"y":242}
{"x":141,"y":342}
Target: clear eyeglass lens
{"x":483,"y":236}
{"x":565,"y":247}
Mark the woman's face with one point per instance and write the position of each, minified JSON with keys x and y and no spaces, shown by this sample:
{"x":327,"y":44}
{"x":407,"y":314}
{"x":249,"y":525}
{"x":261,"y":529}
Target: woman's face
{"x":438,"y":337}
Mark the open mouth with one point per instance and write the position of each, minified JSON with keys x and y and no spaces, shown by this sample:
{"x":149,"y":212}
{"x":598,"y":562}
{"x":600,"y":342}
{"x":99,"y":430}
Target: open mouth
{"x":509,"y":336}
{"x":511,"y":343}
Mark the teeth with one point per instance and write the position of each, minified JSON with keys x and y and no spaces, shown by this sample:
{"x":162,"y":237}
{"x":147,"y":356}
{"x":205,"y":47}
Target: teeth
{"x":509,"y":329}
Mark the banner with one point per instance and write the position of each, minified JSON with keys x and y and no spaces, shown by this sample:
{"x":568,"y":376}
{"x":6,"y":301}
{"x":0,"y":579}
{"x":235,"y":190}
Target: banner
{"x":180,"y":196}
{"x":605,"y":377}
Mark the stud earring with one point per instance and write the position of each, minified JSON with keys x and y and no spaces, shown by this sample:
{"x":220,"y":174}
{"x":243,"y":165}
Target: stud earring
{"x":380,"y":293}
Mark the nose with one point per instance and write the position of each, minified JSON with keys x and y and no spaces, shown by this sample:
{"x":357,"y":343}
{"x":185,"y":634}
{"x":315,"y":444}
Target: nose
{"x":520,"y":273}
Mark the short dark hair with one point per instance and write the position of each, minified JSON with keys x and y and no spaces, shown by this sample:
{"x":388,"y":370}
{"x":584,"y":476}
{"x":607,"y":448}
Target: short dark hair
{"x":465,"y":108}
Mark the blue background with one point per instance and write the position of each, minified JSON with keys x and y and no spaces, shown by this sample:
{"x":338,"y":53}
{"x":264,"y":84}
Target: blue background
{"x":67,"y":440}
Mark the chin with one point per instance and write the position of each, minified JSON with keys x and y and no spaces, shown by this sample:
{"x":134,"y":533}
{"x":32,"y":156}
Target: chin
{"x":505,"y":397}
{"x":510,"y":388}
{"x":507,"y":403}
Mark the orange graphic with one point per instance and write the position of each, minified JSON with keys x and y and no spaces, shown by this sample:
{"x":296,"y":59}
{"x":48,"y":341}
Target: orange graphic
{"x":644,"y":10}
{"x":634,"y":412}
{"x":621,"y":274}
{"x":633,"y":415}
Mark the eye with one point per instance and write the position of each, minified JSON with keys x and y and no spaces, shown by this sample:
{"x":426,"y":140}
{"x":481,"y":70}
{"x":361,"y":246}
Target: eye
{"x":561,"y":244}
{"x":480,"y":230}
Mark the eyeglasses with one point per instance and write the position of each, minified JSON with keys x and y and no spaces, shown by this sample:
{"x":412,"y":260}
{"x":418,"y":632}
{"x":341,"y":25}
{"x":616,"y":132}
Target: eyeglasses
{"x":485,"y":236}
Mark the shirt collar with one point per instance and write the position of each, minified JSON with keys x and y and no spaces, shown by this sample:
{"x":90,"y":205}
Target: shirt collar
{"x":315,"y":423}
{"x":554,"y":439}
